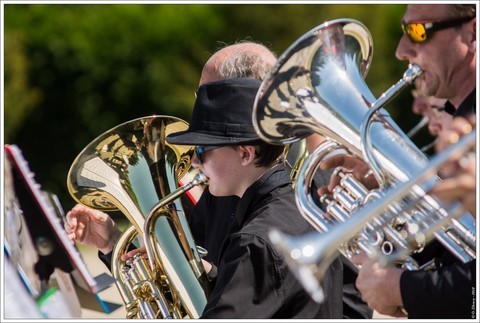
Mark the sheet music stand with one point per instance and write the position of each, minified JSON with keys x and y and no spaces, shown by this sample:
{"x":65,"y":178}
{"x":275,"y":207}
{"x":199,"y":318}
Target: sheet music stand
{"x":54,"y":248}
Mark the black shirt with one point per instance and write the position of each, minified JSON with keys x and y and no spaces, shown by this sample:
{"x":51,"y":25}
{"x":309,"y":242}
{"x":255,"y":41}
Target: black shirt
{"x":253,"y":279}
{"x":210,"y":222}
{"x":444,"y":293}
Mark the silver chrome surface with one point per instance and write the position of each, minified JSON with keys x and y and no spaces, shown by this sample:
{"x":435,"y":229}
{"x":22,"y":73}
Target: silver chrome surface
{"x":317,"y":86}
{"x":310,"y":255}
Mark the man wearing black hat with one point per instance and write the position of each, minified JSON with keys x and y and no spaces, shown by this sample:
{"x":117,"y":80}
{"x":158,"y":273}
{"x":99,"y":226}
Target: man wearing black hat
{"x":253,"y":280}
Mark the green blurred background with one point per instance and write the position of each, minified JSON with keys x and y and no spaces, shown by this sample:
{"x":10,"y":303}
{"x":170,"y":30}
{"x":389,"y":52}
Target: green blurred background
{"x":73,"y":71}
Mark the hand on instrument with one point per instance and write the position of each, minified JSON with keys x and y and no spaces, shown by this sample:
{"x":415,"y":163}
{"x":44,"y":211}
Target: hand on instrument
{"x":459,"y":174}
{"x":379,"y":286}
{"x":458,"y":128}
{"x":92,"y":228}
{"x":143,"y":251}
{"x":349,"y":163}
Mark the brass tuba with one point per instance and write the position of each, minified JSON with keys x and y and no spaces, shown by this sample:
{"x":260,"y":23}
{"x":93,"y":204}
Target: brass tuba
{"x":317,"y":86}
{"x":133,"y":169}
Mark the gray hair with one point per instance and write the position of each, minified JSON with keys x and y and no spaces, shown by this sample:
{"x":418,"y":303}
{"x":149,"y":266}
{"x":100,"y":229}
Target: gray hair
{"x":245,"y":64}
{"x":464,"y":10}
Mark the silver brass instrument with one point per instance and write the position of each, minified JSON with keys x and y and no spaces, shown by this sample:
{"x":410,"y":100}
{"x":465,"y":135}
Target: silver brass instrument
{"x":317,"y":86}
{"x":419,"y":126}
{"x":132,"y":168}
{"x":309,"y":256}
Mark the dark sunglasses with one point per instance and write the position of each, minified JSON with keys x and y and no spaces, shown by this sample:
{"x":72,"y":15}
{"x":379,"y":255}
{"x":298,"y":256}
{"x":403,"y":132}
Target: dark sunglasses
{"x":199,"y":151}
{"x":419,"y":31}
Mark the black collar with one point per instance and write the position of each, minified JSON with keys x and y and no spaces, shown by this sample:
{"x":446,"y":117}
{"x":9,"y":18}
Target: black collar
{"x":449,"y":108}
{"x":466,"y":108}
{"x":256,"y":193}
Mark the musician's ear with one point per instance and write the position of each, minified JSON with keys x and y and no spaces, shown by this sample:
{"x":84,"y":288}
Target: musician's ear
{"x":247,"y":154}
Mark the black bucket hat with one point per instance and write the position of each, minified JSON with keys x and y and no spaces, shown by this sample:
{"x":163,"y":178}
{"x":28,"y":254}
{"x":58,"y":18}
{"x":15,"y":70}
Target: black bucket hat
{"x":222,"y":115}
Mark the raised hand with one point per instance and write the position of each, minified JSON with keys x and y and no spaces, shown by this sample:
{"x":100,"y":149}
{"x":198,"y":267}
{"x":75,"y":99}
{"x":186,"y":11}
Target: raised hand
{"x":92,"y":228}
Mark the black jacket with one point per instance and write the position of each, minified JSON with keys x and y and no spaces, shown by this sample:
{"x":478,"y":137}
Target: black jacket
{"x":210,"y":222}
{"x":253,"y":279}
{"x":444,"y":293}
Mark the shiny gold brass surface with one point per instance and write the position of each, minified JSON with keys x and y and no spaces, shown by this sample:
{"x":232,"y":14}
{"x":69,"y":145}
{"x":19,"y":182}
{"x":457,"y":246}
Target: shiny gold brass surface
{"x":133,"y":169}
{"x":130,"y":167}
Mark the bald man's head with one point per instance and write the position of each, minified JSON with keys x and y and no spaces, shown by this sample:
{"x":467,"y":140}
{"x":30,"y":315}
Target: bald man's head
{"x":239,"y":60}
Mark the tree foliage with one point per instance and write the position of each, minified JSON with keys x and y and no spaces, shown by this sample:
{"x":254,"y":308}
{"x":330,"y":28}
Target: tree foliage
{"x":73,"y":71}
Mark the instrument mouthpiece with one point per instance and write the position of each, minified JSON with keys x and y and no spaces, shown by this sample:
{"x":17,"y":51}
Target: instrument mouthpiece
{"x":412,"y":73}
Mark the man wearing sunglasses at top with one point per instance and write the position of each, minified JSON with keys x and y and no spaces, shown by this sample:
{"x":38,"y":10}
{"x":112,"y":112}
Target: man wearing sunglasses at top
{"x":441,"y":39}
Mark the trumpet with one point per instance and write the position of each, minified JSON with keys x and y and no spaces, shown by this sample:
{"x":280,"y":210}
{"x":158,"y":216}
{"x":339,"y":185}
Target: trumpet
{"x":309,"y":256}
{"x":133,"y":169}
{"x":317,"y":86}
